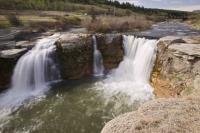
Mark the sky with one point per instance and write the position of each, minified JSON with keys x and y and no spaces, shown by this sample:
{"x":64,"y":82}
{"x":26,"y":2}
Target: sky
{"x":185,"y":5}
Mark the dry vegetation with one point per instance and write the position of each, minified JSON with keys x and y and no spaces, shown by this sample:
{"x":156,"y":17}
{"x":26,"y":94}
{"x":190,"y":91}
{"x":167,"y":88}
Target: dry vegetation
{"x":123,"y":21}
{"x":113,"y":23}
{"x":194,"y":21}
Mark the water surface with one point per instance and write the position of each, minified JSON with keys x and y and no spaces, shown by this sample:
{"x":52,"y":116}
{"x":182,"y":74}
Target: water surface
{"x":71,"y":107}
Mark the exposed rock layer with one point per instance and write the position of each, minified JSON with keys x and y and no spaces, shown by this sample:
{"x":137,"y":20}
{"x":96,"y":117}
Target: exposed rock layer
{"x":177,"y":65}
{"x":75,"y":55}
{"x":176,"y":73}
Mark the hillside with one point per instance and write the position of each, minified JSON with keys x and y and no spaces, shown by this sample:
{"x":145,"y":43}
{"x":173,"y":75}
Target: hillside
{"x":95,"y":15}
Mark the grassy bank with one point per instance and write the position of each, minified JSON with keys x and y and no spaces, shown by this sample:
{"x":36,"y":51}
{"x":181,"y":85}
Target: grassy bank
{"x":119,"y":24}
{"x":95,"y":15}
{"x":194,"y":20}
{"x":60,"y":20}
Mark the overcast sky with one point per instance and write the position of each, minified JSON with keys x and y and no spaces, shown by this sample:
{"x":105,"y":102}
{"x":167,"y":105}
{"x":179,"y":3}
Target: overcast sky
{"x":187,"y":5}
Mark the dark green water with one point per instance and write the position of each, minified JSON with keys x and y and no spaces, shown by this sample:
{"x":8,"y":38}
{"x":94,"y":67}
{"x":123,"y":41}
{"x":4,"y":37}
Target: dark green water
{"x":72,"y":107}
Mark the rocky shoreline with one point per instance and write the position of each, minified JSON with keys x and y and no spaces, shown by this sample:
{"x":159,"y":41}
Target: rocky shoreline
{"x":74,"y":55}
{"x":176,"y":75}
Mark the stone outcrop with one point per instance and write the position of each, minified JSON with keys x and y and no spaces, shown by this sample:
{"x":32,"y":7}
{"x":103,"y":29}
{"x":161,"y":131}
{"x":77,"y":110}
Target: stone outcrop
{"x":75,"y":53}
{"x":111,"y":48}
{"x":177,"y":66}
{"x":176,"y":73}
{"x":8,"y":59}
{"x":159,"y":116}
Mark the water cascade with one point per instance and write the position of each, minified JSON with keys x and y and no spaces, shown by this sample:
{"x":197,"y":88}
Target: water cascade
{"x":33,"y":73}
{"x":98,"y":68}
{"x":133,"y":74}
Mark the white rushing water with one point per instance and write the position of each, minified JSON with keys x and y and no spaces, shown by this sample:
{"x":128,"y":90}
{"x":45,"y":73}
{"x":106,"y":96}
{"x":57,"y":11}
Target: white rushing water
{"x":98,"y":67}
{"x":32,"y":74}
{"x":133,"y":74}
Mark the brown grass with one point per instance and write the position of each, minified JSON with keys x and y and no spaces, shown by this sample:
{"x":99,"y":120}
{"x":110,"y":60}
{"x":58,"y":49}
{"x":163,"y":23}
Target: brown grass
{"x":194,"y":21}
{"x":120,"y":24}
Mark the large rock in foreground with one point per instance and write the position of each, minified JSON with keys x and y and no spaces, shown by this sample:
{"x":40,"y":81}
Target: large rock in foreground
{"x":159,"y":116}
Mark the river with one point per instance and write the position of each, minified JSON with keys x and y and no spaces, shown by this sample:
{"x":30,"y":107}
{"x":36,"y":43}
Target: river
{"x":84,"y":106}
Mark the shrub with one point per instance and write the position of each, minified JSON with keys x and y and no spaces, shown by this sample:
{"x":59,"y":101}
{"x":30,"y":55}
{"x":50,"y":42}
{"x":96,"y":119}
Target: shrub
{"x":13,"y":20}
{"x":121,"y":24}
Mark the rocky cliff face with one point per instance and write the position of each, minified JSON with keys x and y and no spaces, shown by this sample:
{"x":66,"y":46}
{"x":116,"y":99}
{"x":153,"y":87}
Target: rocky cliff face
{"x":177,"y":69}
{"x":176,"y":73}
{"x":111,"y":47}
{"x":8,"y":59}
{"x":74,"y":54}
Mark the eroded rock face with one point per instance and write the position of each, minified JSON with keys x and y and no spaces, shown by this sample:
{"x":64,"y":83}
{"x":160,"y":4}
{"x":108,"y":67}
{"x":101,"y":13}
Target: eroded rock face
{"x":159,"y":116}
{"x":111,"y":47}
{"x":178,"y":64}
{"x":8,"y":60}
{"x":75,"y":53}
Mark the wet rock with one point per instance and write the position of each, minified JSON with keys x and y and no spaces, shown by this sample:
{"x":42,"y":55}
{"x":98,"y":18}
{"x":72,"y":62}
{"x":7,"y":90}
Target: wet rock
{"x":8,"y":60}
{"x":159,"y":116}
{"x":75,"y":52}
{"x":12,"y":53}
{"x":111,"y":47}
{"x":7,"y":45}
{"x":75,"y":55}
{"x":25,"y":44}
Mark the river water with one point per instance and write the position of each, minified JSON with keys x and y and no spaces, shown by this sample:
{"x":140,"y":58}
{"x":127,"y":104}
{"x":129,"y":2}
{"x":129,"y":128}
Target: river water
{"x":84,"y":106}
{"x":169,"y":28}
{"x":70,"y":107}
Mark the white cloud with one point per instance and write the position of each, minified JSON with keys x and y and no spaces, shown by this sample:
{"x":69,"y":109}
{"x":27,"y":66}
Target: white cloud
{"x":187,"y":8}
{"x":185,"y":5}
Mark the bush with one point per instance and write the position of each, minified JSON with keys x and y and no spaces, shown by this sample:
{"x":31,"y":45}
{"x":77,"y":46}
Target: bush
{"x":120,"y":24}
{"x":13,"y":20}
{"x":61,"y":23}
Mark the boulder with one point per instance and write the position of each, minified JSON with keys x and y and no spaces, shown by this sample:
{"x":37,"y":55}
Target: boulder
{"x":12,"y":53}
{"x":8,"y":60}
{"x":7,"y":45}
{"x":25,"y":44}
{"x":159,"y":116}
{"x":111,"y":47}
{"x":75,"y":53}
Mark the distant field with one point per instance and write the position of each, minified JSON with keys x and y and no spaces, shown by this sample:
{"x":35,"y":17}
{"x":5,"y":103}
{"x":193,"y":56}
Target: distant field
{"x":61,"y":20}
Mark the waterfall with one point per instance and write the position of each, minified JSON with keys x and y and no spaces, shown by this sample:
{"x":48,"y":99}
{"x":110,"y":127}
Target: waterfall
{"x":32,"y":74}
{"x":98,"y":68}
{"x":133,"y":74}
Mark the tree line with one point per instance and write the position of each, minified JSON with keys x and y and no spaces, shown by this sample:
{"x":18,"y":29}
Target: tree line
{"x":65,"y":5}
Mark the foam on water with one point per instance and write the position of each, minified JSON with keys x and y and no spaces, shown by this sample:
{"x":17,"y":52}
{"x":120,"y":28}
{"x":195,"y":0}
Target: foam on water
{"x":32,"y":75}
{"x":133,"y":74}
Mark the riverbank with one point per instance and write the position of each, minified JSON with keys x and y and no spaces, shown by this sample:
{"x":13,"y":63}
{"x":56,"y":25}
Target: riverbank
{"x":176,"y":78}
{"x":175,"y":70}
